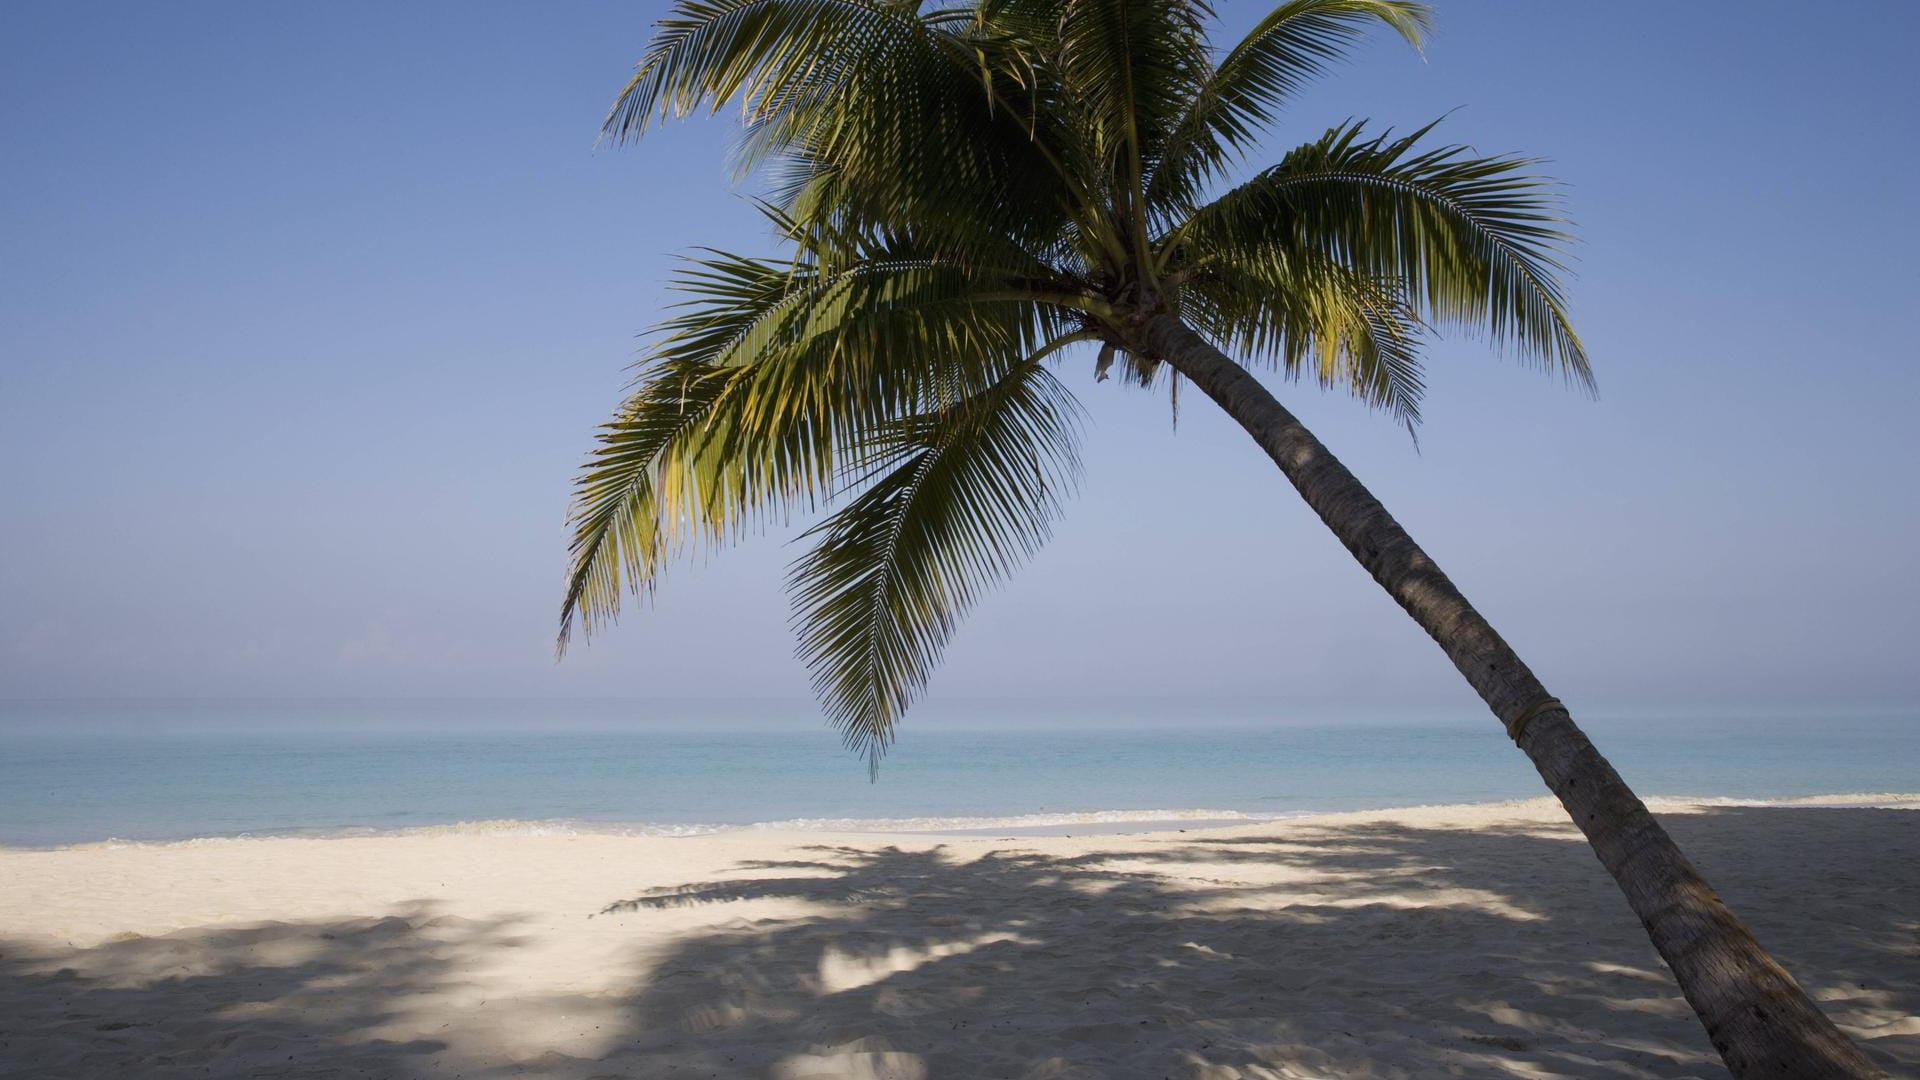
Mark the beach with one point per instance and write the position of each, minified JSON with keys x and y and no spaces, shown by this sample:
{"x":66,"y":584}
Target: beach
{"x":1479,"y":940}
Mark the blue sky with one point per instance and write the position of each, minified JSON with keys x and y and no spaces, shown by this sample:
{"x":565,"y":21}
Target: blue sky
{"x":307,"y":314}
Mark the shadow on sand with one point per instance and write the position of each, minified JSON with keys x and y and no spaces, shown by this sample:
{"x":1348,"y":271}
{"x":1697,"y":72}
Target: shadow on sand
{"x":1359,"y":950}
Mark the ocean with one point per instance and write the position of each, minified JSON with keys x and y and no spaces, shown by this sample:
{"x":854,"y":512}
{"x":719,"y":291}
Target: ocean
{"x":171,"y":771}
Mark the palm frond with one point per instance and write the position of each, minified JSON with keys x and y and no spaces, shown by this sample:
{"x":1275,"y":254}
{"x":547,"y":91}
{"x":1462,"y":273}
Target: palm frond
{"x":955,"y":498}
{"x":1126,"y":68}
{"x":1240,"y":97}
{"x":871,"y":114}
{"x":771,"y":377}
{"x":618,"y":538}
{"x":766,"y":52}
{"x":1470,"y":242}
{"x":900,"y":133}
{"x":1305,"y":316}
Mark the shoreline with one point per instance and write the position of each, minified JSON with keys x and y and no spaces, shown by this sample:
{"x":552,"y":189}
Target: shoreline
{"x":1013,"y":826}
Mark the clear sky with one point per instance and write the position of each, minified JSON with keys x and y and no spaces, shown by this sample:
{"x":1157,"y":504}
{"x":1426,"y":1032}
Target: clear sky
{"x":307,"y":313}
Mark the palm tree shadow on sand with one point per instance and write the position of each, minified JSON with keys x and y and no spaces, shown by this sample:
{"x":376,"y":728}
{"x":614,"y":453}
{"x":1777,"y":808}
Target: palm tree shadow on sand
{"x":1464,"y":960}
{"x":1407,"y":952}
{"x":277,"y":999}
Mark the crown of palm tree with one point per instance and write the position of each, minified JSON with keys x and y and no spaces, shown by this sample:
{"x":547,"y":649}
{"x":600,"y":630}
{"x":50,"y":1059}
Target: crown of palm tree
{"x":965,"y":192}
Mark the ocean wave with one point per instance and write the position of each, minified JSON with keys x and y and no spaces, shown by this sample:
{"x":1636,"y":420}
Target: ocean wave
{"x":1022,"y":821}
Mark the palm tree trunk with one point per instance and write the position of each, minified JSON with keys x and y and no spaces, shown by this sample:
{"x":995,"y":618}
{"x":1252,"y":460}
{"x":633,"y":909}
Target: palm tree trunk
{"x":1756,"y":1016}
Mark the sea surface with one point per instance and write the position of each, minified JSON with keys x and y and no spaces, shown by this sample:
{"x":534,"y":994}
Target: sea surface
{"x":160,"y":772}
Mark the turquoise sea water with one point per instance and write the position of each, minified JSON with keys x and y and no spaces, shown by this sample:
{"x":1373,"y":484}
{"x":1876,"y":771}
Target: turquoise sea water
{"x":136,"y":772}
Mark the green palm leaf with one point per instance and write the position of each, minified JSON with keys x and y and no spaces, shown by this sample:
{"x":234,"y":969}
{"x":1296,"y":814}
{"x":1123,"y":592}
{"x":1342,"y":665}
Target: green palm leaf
{"x":618,"y":539}
{"x":1473,"y":242}
{"x":1240,"y":98}
{"x":956,"y":499}
{"x":771,"y":380}
{"x":762,"y":52}
{"x":1304,"y":315}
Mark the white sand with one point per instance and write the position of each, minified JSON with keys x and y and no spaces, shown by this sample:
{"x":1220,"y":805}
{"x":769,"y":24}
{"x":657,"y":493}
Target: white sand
{"x":1452,"y":941}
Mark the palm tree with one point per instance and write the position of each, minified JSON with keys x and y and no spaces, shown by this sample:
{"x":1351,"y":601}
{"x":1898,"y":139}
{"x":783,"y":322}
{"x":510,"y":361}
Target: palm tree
{"x":968,"y":193}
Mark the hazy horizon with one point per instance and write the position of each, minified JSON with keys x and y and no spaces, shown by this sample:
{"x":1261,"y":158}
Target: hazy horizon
{"x":298,"y":357}
{"x":947,"y":714}
{"x":144,"y":772}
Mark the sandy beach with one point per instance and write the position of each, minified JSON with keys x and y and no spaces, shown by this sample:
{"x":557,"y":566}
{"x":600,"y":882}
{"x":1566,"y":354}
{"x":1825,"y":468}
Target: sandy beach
{"x":1448,"y":941}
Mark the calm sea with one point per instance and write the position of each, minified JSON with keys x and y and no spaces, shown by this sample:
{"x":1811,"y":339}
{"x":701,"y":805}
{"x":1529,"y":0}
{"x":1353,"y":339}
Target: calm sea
{"x":71,"y":774}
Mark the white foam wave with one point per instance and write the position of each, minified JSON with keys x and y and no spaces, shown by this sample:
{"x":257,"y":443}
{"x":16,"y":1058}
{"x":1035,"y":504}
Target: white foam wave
{"x":1104,"y":820}
{"x":1882,"y":800}
{"x":1020,"y":821}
